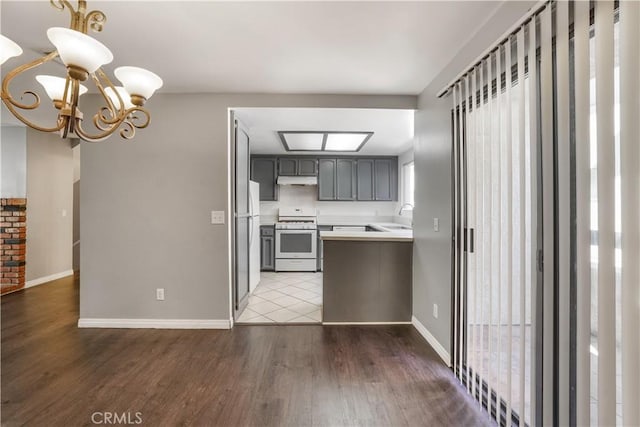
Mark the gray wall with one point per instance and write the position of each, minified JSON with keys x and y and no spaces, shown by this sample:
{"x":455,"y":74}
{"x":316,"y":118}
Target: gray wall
{"x":145,"y":207}
{"x":49,"y":205}
{"x":13,"y":161}
{"x":432,"y":156}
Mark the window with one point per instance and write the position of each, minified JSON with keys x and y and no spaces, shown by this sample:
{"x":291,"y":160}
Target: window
{"x":408,"y":184}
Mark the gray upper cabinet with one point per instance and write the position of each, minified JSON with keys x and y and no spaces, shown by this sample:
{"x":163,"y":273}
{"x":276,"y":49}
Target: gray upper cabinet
{"x":307,"y":167}
{"x":327,"y":179}
{"x":287,"y":166}
{"x":345,"y":179}
{"x":365,"y":168}
{"x":386,"y":179}
{"x":264,"y":172}
{"x":291,"y":166}
{"x":358,"y":179}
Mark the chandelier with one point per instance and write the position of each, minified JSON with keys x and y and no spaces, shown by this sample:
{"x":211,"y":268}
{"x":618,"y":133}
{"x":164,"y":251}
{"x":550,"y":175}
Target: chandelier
{"x":83,"y":57}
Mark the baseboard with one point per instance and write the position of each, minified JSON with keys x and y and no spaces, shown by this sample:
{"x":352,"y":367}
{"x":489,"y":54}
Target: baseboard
{"x":433,"y":342}
{"x":154,"y":323}
{"x":365,"y":323}
{"x":45,"y":279}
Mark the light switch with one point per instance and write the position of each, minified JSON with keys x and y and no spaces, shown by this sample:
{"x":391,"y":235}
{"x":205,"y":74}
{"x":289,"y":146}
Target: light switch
{"x":64,"y":212}
{"x":435,"y":310}
{"x":217,"y":217}
{"x":436,"y":224}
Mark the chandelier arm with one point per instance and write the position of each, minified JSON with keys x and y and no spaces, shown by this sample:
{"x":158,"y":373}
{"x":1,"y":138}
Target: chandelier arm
{"x":133,"y":119}
{"x":130,"y":123}
{"x":95,"y":20}
{"x":65,"y":130}
{"x":65,"y":93}
{"x":101,"y":75}
{"x":108,"y":116}
{"x":75,"y":94}
{"x":61,"y":120}
{"x":6,"y":95}
{"x":98,"y":137}
{"x":114,"y":111}
{"x":99,"y":119}
{"x":62,"y":4}
{"x":128,"y":131}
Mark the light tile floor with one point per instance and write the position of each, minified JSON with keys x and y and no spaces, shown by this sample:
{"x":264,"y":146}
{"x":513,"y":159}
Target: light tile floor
{"x":285,"y":298}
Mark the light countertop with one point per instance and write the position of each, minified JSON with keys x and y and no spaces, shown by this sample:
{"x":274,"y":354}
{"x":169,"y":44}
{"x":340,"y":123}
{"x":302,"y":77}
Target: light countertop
{"x":338,"y":220}
{"x":352,"y":220}
{"x":384,"y":234}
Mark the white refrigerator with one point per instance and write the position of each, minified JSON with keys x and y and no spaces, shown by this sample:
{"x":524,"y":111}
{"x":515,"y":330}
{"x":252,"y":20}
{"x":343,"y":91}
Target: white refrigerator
{"x":254,"y":235}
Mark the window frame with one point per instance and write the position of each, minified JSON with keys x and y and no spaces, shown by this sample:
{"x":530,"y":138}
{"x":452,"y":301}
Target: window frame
{"x":405,"y":182}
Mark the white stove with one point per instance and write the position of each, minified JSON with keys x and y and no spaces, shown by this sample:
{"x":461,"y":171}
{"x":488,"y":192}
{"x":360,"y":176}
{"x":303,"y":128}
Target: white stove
{"x":296,"y":219}
{"x":296,"y":239}
{"x":296,"y":225}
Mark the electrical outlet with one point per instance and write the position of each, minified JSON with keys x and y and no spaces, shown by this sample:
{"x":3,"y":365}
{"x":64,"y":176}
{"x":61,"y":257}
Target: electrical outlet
{"x":160,"y":294}
{"x":436,"y":224}
{"x":435,"y":310}
{"x":217,"y":217}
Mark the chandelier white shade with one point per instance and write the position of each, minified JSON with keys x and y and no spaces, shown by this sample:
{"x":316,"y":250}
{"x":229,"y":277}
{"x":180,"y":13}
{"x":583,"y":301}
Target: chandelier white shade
{"x":138,"y":81}
{"x":124,"y":95}
{"x":54,"y":86}
{"x":8,"y":49}
{"x":78,"y":49}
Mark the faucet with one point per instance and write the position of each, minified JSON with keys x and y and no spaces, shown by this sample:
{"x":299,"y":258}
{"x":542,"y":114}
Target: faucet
{"x":402,"y":208}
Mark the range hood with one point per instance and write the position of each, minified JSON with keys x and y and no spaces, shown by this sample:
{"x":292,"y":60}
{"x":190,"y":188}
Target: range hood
{"x":297,"y":180}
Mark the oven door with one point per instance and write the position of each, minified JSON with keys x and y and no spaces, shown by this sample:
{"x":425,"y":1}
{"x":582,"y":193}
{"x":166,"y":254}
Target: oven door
{"x":296,"y":244}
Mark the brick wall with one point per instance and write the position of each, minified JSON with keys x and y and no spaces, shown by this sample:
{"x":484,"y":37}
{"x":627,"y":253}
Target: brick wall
{"x":13,"y":237}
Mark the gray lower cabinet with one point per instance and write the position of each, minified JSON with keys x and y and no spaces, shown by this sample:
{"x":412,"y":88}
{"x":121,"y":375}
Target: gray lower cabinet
{"x":264,"y":171}
{"x":367,"y":281}
{"x":345,"y":179}
{"x":365,"y":174}
{"x":327,"y":179}
{"x":386,"y":179}
{"x":267,"y":248}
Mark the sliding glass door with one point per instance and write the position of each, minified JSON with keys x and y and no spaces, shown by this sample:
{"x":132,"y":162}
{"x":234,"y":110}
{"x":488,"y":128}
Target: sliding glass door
{"x":495,"y":215}
{"x":546,"y":215}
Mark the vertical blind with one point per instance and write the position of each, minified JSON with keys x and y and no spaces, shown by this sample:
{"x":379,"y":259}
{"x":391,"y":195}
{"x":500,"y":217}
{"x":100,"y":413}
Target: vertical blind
{"x":495,"y":231}
{"x":546,"y":132}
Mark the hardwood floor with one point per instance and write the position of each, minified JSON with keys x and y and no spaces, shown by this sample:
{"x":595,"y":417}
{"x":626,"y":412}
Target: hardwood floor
{"x":55,"y":374}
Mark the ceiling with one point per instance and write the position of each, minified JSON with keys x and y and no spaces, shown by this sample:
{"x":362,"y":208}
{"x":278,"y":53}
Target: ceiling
{"x":271,"y":47}
{"x":393,"y":129}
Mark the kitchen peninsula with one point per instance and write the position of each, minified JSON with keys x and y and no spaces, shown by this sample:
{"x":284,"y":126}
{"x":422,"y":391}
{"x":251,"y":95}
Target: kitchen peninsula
{"x":367,"y":274}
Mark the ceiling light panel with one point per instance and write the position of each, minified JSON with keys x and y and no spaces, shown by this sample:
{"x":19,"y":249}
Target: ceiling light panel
{"x":302,"y":141}
{"x":346,"y":141}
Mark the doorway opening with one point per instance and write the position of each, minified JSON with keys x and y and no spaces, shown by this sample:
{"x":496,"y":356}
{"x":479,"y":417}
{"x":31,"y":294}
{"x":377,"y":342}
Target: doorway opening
{"x":295,"y":175}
